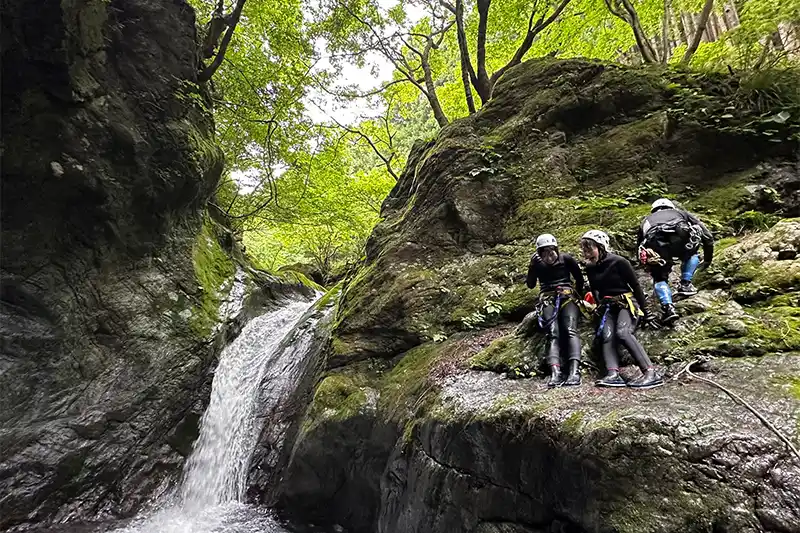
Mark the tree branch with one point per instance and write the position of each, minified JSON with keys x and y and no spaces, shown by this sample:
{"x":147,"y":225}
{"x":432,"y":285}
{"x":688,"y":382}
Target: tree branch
{"x":698,"y":35}
{"x":533,"y":31}
{"x":233,"y":21}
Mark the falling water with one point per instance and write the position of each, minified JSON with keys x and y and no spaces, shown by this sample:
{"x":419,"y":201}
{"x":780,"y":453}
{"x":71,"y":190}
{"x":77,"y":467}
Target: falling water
{"x":253,"y":373}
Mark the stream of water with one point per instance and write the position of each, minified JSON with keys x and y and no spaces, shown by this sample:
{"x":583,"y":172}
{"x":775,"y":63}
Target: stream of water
{"x":254,"y":373}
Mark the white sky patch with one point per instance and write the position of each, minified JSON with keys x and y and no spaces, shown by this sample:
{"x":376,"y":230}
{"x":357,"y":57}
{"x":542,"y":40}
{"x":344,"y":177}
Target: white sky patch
{"x":321,"y":106}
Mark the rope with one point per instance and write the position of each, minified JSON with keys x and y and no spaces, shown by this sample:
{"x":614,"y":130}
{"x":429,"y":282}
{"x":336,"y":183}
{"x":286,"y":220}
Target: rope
{"x":741,"y":401}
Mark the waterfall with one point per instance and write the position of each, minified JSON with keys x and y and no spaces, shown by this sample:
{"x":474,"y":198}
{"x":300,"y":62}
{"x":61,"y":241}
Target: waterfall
{"x":254,"y":374}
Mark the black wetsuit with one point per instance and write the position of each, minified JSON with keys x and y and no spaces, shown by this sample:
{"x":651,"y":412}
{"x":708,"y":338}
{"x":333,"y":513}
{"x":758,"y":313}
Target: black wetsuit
{"x":613,"y":276}
{"x":672,"y":244}
{"x":563,"y":328}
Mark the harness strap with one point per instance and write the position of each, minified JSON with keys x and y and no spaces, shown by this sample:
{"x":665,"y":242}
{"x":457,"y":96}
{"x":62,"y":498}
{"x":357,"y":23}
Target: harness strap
{"x":561,"y":294}
{"x":624,"y":301}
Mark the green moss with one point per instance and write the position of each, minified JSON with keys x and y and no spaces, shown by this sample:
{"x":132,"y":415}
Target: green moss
{"x":788,"y":383}
{"x":574,"y":422}
{"x":213,"y":269}
{"x":752,"y":221}
{"x":337,"y":397}
{"x":407,"y":382}
{"x":758,"y":280}
{"x":510,"y":354}
{"x":331,"y":295}
{"x":293,"y":276}
{"x":518,"y":300}
{"x":776,"y":332}
{"x":724,"y":243}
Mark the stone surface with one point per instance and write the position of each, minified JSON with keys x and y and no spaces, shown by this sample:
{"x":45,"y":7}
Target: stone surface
{"x":117,"y":293}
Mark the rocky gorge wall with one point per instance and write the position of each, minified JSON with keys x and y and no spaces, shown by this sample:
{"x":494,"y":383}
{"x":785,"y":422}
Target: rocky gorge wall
{"x":118,"y":289}
{"x":419,"y":424}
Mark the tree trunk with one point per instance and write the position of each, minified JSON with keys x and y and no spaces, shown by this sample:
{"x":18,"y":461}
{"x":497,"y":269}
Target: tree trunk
{"x":233,"y":20}
{"x":627,"y":13}
{"x":665,"y":47}
{"x":701,"y":26}
{"x":483,"y":88}
{"x":466,"y":65}
{"x":430,"y":89}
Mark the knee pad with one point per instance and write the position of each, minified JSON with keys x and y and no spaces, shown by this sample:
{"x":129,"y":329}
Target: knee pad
{"x":663,"y":292}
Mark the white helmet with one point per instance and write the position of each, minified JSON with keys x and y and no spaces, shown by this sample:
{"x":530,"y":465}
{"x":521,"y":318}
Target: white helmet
{"x":599,"y":237}
{"x":545,"y":239}
{"x":662,"y":203}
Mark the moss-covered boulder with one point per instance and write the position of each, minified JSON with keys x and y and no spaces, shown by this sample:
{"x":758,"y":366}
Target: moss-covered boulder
{"x":426,"y":340}
{"x":564,"y":146}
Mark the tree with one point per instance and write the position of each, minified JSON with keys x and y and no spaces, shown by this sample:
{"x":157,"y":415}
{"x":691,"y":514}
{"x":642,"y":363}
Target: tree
{"x":624,"y":10}
{"x":541,"y":16}
{"x":218,"y":24}
{"x":408,"y":49}
{"x":701,"y":27}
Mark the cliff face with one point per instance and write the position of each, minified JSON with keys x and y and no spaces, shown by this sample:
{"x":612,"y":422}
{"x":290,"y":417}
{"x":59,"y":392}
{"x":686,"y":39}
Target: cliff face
{"x":115,"y":284}
{"x":417,"y":425}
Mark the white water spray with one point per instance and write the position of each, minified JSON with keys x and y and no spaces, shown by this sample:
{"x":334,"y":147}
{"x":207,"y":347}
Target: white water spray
{"x":252,"y":372}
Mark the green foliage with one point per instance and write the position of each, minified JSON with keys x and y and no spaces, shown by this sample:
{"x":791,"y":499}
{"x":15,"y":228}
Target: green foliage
{"x":303,"y":191}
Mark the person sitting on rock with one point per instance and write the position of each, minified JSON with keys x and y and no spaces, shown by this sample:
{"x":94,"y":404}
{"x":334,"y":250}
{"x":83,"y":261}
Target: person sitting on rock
{"x":557,"y":309}
{"x":620,"y":304}
{"x":667,"y":233}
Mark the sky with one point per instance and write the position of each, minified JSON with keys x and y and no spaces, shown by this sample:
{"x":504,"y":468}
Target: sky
{"x":321,"y":106}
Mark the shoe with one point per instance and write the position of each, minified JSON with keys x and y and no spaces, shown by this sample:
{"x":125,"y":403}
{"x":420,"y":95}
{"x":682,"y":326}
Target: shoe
{"x":668,"y":314}
{"x":555,"y":378}
{"x":686,"y":289}
{"x":648,"y":380}
{"x":613,"y":379}
{"x":574,"y":377}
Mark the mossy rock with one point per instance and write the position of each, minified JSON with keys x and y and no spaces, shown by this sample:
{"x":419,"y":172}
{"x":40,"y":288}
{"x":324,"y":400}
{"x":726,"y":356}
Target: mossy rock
{"x":214,"y":270}
{"x":337,"y":397}
{"x":513,"y":355}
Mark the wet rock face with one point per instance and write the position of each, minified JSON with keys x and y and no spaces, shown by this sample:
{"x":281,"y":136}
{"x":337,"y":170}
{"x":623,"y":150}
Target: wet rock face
{"x":563,"y":147}
{"x":108,"y":158}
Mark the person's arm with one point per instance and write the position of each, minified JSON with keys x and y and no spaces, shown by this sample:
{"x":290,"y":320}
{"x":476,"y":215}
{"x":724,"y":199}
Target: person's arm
{"x":706,"y":237}
{"x":575,"y":270}
{"x":530,"y":280}
{"x":629,"y":276}
{"x":592,"y":285}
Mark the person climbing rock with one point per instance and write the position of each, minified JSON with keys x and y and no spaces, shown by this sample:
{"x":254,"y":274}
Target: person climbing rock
{"x":558,"y":311}
{"x":620,"y":305}
{"x":668,"y":233}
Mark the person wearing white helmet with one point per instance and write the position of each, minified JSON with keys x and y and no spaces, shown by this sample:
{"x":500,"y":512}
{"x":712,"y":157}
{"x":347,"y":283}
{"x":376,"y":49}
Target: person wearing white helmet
{"x":620,"y":304}
{"x":668,"y":233}
{"x":560,"y":279}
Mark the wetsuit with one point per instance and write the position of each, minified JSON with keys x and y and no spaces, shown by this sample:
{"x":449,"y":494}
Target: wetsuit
{"x":558,"y":290}
{"x":675,"y":233}
{"x":612,"y":280}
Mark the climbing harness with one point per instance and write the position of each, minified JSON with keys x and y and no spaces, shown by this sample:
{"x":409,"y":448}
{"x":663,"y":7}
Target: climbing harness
{"x":561,"y":294}
{"x":623,"y":301}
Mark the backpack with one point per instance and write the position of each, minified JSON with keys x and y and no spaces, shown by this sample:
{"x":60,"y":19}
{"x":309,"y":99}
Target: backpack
{"x":675,"y":237}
